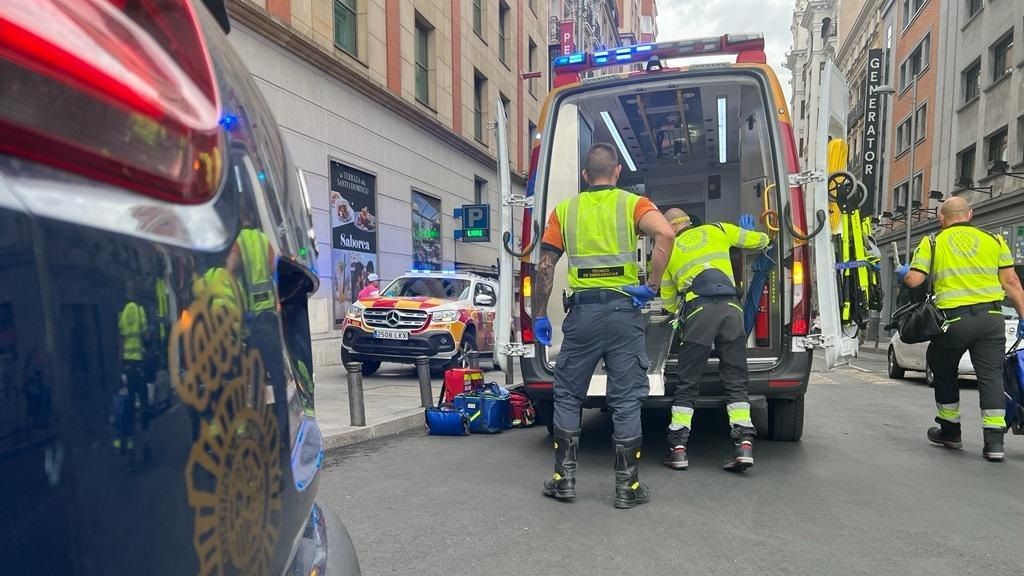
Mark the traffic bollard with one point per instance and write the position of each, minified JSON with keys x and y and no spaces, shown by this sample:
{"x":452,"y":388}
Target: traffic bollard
{"x":356,"y":409}
{"x":423,"y":372}
{"x":474,"y":358}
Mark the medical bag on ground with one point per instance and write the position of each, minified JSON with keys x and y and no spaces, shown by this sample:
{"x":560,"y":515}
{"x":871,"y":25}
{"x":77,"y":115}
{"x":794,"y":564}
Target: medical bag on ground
{"x":445,"y":420}
{"x":460,"y":381}
{"x":1013,"y":388}
{"x":521,"y":410}
{"x":487,"y":409}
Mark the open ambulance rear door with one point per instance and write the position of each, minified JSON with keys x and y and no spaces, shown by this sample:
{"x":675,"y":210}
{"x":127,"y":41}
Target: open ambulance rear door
{"x":832,"y":113}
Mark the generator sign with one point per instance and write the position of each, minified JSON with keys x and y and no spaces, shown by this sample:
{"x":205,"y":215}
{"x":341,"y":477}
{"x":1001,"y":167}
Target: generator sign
{"x":872,"y":125}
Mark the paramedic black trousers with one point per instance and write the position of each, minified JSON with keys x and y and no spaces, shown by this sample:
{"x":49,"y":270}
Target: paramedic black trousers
{"x":981,"y":330}
{"x":602,"y":324}
{"x":711,"y":320}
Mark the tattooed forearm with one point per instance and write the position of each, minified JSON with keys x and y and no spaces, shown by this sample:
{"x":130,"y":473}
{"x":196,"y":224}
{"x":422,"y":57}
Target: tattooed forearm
{"x":542,"y":282}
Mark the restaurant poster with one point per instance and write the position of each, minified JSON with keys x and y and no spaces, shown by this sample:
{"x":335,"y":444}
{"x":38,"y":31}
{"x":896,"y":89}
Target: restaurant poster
{"x":353,"y":234}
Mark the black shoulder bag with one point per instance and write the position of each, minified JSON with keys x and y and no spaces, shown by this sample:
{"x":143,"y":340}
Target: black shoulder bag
{"x":921,"y":321}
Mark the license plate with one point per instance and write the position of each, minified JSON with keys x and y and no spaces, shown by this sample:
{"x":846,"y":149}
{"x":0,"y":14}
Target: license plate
{"x":391,"y":334}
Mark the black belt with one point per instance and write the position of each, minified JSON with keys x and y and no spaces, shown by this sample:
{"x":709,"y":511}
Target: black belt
{"x":982,"y":308}
{"x":596,"y":296}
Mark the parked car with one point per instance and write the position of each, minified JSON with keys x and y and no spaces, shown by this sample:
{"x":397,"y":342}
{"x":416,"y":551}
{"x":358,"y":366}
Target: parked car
{"x":440,"y":315}
{"x":903,"y":357}
{"x":152,"y":223}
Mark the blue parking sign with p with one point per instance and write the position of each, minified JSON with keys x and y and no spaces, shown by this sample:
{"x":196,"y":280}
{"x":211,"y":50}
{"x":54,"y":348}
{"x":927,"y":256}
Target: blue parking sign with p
{"x":476,"y":223}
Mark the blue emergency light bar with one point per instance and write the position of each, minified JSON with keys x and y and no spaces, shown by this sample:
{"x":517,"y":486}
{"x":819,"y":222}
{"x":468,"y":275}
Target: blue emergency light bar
{"x":740,"y":44}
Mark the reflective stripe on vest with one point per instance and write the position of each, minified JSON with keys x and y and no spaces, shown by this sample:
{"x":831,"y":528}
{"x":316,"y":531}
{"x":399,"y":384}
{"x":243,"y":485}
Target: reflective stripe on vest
{"x":254,"y":247}
{"x":162,"y":306}
{"x":966,"y":269}
{"x":696,"y":250}
{"x":131,"y":324}
{"x":600,"y":238}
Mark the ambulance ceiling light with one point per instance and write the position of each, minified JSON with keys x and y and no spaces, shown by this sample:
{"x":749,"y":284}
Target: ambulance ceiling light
{"x":721,"y":129}
{"x":618,"y":140}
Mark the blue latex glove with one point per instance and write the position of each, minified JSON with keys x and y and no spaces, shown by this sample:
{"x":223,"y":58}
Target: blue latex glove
{"x":542,"y":329}
{"x":901,"y":272}
{"x":641,"y":294}
{"x":747,"y":221}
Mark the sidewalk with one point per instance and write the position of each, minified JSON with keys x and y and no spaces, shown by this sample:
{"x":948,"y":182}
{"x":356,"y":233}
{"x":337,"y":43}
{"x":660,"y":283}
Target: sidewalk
{"x":391,"y":398}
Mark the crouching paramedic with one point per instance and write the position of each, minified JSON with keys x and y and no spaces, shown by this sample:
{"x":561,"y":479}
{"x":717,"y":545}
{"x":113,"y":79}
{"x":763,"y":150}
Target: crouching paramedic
{"x":972,"y":271}
{"x":699,"y":285}
{"x":597,"y":229}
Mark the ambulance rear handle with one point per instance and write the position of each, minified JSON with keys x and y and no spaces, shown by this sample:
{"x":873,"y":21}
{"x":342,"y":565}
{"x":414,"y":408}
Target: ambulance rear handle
{"x":507,"y":242}
{"x":821,"y":216}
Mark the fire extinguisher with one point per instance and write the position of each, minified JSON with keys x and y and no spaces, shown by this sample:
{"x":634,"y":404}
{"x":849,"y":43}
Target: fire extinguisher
{"x":762,"y":324}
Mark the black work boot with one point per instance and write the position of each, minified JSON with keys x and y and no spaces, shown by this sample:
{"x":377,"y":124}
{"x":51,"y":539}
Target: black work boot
{"x":562,"y":484}
{"x":743,"y":454}
{"x":993,"y":450}
{"x":676,"y":457}
{"x":947,"y":434}
{"x":629,"y":490}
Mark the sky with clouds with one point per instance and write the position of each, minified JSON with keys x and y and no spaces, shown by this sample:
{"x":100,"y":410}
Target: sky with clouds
{"x":681,"y":19}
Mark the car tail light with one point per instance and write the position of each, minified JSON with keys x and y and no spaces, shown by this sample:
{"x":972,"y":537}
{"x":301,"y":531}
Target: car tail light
{"x":117,"y":91}
{"x":526,"y":304}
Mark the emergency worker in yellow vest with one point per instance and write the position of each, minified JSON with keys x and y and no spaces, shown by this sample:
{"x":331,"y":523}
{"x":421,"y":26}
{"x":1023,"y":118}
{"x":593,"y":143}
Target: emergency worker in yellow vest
{"x":252,"y":260}
{"x":597,"y":229}
{"x":972,"y":272}
{"x":699,"y":285}
{"x":133,"y":326}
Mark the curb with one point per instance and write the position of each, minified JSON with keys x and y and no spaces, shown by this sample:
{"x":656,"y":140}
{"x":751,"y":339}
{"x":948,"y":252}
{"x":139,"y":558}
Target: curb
{"x":873,"y":351}
{"x":389,"y":428}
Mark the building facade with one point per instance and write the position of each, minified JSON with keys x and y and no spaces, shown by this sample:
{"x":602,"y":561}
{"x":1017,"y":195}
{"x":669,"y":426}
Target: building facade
{"x":638,"y":21}
{"x":387,"y":108}
{"x":814,"y":43}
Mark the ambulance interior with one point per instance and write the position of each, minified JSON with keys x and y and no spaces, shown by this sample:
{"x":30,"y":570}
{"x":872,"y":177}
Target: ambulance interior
{"x":700,"y":144}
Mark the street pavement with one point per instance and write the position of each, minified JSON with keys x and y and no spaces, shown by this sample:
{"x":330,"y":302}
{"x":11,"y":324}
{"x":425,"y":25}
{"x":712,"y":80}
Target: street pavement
{"x":862,"y":493}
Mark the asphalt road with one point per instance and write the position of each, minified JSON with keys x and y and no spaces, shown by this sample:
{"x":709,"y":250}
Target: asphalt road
{"x":863,"y":493}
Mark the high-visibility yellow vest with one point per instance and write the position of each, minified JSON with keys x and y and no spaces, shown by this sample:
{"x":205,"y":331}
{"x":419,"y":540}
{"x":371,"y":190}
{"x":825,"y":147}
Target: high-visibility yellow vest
{"x":701,"y":248}
{"x":162,"y":307}
{"x":967,"y":263}
{"x":131,"y":323}
{"x":254,"y":246}
{"x":600,"y":238}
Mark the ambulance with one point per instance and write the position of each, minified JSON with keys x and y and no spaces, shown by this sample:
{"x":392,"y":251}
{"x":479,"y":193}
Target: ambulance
{"x":716,"y":140}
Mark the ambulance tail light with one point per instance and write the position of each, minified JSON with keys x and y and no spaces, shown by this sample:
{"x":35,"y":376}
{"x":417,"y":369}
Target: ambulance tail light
{"x":116,"y":91}
{"x":800,"y":272}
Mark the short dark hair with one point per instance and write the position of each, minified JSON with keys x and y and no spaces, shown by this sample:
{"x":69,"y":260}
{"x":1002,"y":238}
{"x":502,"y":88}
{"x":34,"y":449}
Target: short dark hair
{"x":601,"y":161}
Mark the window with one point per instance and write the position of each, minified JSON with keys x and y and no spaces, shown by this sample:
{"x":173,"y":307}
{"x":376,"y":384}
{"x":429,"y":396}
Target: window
{"x":915,"y":63}
{"x":801,"y":146}
{"x":918,"y":185}
{"x":803,"y":109}
{"x":900,"y":197}
{"x":921,"y":122}
{"x":971,"y":80}
{"x":345,"y":26}
{"x":1002,"y":56}
{"x":531,"y":135}
{"x":479,"y":105}
{"x":478,"y":17}
{"x":821,"y":72}
{"x":973,"y":7}
{"x":479,"y":191}
{"x":422,"y":56}
{"x":903,"y":137}
{"x":995,"y":146}
{"x":426,"y":244}
{"x":1020,"y":139}
{"x":965,"y":166}
{"x":532,"y":63}
{"x":910,"y":10}
{"x":503,"y":11}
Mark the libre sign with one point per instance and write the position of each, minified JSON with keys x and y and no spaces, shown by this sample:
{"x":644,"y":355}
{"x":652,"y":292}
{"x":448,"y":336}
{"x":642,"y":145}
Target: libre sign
{"x":872,"y":125}
{"x":476,"y":222}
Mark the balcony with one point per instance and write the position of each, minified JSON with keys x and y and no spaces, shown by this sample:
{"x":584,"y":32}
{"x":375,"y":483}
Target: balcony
{"x":856,"y":113}
{"x":553,"y":38}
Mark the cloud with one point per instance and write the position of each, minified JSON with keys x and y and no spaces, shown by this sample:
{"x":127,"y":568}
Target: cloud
{"x":681,"y":19}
